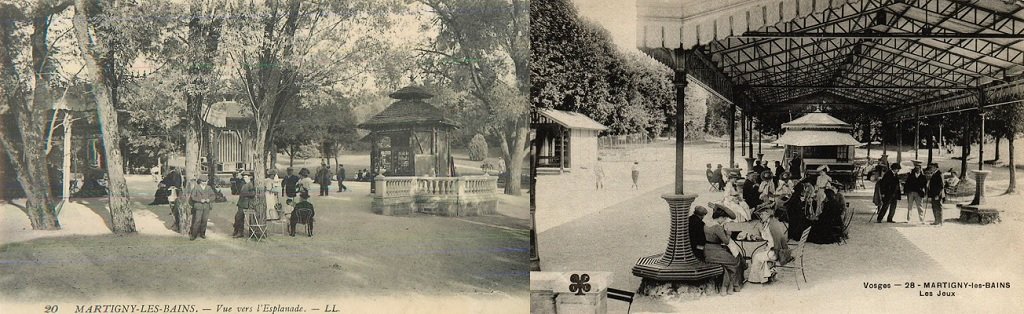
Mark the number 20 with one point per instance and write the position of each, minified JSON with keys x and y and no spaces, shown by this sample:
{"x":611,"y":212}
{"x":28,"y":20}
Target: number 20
{"x":50,"y":309}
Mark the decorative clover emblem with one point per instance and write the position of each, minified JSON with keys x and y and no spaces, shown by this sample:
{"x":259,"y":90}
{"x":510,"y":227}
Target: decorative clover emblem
{"x":579,"y":284}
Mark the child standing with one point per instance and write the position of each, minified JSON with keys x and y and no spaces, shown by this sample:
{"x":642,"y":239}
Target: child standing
{"x":636,"y":174}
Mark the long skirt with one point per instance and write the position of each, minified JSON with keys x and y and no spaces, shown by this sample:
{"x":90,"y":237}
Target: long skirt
{"x":761,"y":266}
{"x":717,"y":253}
{"x":272,"y":213}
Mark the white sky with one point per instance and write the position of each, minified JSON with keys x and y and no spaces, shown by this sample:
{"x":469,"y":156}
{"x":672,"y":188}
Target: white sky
{"x":617,"y":16}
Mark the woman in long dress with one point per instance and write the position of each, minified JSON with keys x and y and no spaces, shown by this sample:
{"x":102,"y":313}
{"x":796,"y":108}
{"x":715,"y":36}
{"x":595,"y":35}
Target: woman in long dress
{"x":775,"y":250}
{"x":273,"y":191}
{"x":733,"y":200}
{"x":767,"y":187}
{"x":716,"y":251}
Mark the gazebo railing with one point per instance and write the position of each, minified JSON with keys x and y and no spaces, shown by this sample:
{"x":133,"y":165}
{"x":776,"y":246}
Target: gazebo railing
{"x":454,"y":196}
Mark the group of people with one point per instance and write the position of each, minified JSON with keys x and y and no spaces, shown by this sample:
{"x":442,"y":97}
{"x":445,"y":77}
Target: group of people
{"x":921,"y":184}
{"x":711,"y":243}
{"x":599,"y":174}
{"x":292,"y":186}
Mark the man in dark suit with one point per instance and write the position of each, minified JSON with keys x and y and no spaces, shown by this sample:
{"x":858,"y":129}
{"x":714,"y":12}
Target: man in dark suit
{"x":778,"y":172}
{"x":696,"y":226}
{"x":889,"y":193}
{"x":246,"y":199}
{"x":323,"y":178}
{"x":341,"y":179}
{"x":936,"y":191}
{"x":796,"y":168}
{"x":290,"y":181}
{"x":751,"y":195}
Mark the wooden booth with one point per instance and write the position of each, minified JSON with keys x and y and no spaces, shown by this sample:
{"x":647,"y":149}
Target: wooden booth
{"x":820,"y":139}
{"x":568,"y":140}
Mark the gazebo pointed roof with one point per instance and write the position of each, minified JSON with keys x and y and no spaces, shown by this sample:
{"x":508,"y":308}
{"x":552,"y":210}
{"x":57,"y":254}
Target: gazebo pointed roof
{"x":411,"y":109}
{"x":817,"y":129}
{"x":818,"y":121}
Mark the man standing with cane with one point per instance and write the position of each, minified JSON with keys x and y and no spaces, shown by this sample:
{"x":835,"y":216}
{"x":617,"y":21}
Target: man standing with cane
{"x":200,"y":198}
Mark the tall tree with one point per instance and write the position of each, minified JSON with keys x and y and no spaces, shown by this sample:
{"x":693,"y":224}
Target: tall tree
{"x":200,"y":52}
{"x":25,"y":101}
{"x":92,"y":51}
{"x":293,"y":47}
{"x":1008,"y":121}
{"x":482,"y":47}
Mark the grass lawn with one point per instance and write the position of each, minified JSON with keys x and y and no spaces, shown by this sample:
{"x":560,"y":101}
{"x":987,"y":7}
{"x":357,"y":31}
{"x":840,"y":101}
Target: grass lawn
{"x":353,"y":253}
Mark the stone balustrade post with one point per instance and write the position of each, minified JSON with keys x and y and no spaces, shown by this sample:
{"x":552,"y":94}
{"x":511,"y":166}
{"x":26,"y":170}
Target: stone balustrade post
{"x":381,"y":188}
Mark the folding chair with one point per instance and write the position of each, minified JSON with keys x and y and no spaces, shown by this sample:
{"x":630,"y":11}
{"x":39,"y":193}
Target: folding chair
{"x":798,"y":254}
{"x":712,"y":185}
{"x":622,"y":295}
{"x":255,"y":224}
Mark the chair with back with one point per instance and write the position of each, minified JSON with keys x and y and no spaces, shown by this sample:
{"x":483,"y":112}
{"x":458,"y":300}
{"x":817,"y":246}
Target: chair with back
{"x":304,"y":216}
{"x":798,"y":258}
{"x":622,"y":295}
{"x":847,"y":219}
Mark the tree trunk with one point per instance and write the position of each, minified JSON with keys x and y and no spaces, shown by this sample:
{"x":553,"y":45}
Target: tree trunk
{"x":513,"y":151}
{"x":1012,"y":188}
{"x":998,"y":138}
{"x":119,"y":205}
{"x":192,"y":166}
{"x":26,"y":146}
{"x":930,"y":141}
{"x":291,"y":156}
{"x":211,"y":156}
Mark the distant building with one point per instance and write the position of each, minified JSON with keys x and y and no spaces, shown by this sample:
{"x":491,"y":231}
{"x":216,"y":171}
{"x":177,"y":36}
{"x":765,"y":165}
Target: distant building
{"x":232,"y":139}
{"x":567,"y":140}
{"x":820,"y":139}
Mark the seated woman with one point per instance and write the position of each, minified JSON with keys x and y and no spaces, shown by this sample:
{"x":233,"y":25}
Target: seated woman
{"x":731,"y":199}
{"x":774,"y":251}
{"x":829,"y":227}
{"x":767,"y":187}
{"x":796,"y":208}
{"x":162,"y":192}
{"x":716,"y":251}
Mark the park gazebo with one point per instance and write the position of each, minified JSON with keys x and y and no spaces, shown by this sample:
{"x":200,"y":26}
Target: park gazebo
{"x":410,"y":137}
{"x":820,"y":139}
{"x":900,"y":62}
{"x":411,"y":162}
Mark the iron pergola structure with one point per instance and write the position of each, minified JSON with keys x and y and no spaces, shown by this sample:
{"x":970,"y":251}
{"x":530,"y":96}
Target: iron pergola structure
{"x":902,"y":60}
